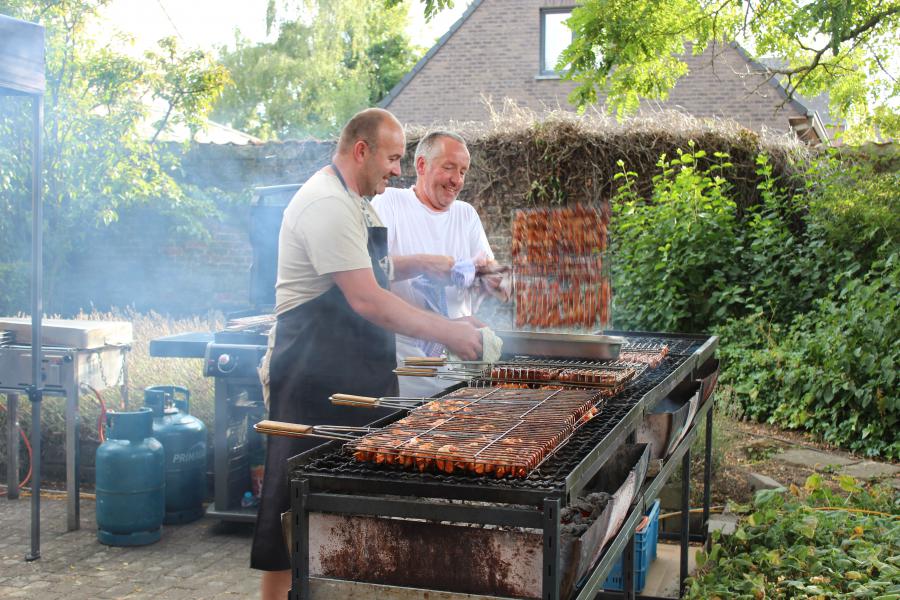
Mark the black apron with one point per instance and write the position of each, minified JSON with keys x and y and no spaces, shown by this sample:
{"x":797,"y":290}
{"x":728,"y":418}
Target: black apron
{"x":321,"y":347}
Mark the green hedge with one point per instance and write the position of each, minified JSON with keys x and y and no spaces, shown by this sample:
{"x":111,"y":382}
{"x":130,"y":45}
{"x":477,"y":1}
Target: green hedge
{"x":832,"y":371}
{"x":802,"y":288}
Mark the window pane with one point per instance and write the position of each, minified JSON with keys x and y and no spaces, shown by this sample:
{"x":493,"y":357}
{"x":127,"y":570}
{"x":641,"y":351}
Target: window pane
{"x":557,"y":36}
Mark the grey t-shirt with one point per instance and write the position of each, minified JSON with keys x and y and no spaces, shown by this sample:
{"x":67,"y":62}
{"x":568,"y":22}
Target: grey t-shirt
{"x":324,"y":231}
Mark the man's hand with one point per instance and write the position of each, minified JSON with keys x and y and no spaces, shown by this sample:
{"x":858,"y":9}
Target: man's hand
{"x":463,"y":340}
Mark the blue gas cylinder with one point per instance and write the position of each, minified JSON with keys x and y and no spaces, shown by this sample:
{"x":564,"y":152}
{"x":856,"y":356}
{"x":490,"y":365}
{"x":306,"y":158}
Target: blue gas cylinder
{"x":184,"y":440}
{"x":131,"y":494}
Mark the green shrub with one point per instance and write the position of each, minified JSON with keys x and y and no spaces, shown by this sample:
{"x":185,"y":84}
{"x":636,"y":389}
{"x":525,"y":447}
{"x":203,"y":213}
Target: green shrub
{"x":15,"y":291}
{"x":854,"y":208}
{"x":751,"y":360}
{"x":832,"y":371}
{"x":783,"y":269}
{"x":841,"y":382}
{"x":674,"y":259}
{"x":703,"y":261}
{"x":810,"y":543}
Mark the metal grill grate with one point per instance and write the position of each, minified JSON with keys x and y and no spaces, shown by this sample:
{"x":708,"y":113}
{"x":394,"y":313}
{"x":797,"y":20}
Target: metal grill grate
{"x":341,"y":469}
{"x":492,"y":431}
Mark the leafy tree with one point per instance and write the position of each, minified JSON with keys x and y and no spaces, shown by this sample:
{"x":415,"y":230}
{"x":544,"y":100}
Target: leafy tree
{"x":98,"y":156}
{"x":431,"y":7}
{"x":630,"y":49}
{"x":332,"y":59}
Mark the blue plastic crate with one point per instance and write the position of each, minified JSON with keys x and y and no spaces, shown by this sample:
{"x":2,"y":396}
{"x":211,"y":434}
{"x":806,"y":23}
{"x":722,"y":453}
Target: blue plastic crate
{"x":644,"y":554}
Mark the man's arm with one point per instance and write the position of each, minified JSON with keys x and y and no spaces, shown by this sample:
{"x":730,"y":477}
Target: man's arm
{"x":386,"y":310}
{"x":436,"y":266}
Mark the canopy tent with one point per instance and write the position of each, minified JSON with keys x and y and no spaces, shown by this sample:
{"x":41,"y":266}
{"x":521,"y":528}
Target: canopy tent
{"x":22,"y":73}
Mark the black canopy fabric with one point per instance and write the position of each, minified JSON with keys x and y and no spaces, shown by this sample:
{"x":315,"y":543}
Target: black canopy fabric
{"x":22,"y":73}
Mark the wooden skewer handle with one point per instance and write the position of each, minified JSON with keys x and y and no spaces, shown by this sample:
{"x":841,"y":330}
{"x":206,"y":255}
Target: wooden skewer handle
{"x":351,"y":400}
{"x":282,"y":428}
{"x":414,"y":372}
{"x":424,"y":361}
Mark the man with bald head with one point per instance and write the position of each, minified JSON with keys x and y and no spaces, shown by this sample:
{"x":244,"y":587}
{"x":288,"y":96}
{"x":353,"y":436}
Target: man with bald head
{"x":336,"y":318}
{"x":429,"y":231}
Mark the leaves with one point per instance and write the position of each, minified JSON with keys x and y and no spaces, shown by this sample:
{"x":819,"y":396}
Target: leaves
{"x":331,"y":59}
{"x":797,"y":551}
{"x":628,"y":50}
{"x":99,"y":157}
{"x":802,"y":299}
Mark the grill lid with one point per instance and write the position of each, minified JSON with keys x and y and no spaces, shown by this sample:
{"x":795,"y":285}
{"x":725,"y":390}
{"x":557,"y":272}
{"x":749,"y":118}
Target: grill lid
{"x":266,"y":211}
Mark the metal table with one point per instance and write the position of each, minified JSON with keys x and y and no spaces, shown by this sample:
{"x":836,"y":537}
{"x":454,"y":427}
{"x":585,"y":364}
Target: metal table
{"x":65,"y":372}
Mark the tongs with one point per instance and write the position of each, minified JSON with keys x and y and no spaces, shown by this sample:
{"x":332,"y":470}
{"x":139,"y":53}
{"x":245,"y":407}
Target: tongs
{"x":326,"y":432}
{"x":397,"y":402}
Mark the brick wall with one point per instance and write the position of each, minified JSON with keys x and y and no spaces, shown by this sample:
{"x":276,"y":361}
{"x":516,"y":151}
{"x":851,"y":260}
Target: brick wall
{"x":144,"y":261}
{"x":494,"y":55}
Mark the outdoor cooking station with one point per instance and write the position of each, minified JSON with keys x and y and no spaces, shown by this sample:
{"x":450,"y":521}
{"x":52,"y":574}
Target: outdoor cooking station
{"x":329,"y":481}
{"x":76,"y":356}
{"x":432,"y":511}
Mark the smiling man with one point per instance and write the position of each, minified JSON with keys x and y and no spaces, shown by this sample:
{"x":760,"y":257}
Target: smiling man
{"x":336,"y":319}
{"x":429,"y":230}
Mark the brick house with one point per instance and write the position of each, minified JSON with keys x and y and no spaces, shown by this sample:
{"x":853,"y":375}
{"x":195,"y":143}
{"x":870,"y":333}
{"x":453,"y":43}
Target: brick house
{"x":508,"y":48}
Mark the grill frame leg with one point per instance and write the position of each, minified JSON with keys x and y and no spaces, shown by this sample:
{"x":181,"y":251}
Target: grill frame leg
{"x":685,"y":518}
{"x":707,"y":466}
{"x":551,"y":563}
{"x":12,"y":443}
{"x":299,"y":540}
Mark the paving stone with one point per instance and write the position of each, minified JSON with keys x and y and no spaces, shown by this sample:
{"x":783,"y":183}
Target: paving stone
{"x":38,"y":585}
{"x":194,"y":561}
{"x":813,"y":458}
{"x":870,"y":470}
{"x":725,"y":523}
{"x":758,"y":481}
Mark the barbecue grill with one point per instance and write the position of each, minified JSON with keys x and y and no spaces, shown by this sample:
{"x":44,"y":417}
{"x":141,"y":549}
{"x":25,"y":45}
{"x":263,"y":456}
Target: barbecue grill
{"x":231,"y":357}
{"x":328,"y":479}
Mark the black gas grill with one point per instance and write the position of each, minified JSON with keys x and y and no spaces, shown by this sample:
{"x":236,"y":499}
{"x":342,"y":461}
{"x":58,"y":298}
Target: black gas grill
{"x":231,"y":357}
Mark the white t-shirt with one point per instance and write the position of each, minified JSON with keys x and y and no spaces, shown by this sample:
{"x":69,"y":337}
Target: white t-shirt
{"x":413,"y":228}
{"x":324,"y":231}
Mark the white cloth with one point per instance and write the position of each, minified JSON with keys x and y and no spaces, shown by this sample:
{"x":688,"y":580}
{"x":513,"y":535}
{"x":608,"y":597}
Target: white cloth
{"x":491,"y":346}
{"x":324,"y":231}
{"x":413,"y":228}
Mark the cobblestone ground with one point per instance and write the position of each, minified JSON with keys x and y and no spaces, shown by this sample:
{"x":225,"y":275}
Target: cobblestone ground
{"x":203,"y":559}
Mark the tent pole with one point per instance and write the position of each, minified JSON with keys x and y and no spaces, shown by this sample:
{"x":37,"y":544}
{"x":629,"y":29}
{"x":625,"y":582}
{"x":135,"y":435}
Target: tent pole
{"x":36,"y":391}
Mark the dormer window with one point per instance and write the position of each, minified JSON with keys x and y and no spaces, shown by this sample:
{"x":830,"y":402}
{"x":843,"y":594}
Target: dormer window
{"x":555,"y":37}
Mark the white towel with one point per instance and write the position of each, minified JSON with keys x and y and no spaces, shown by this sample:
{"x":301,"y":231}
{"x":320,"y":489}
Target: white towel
{"x":491,"y":346}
